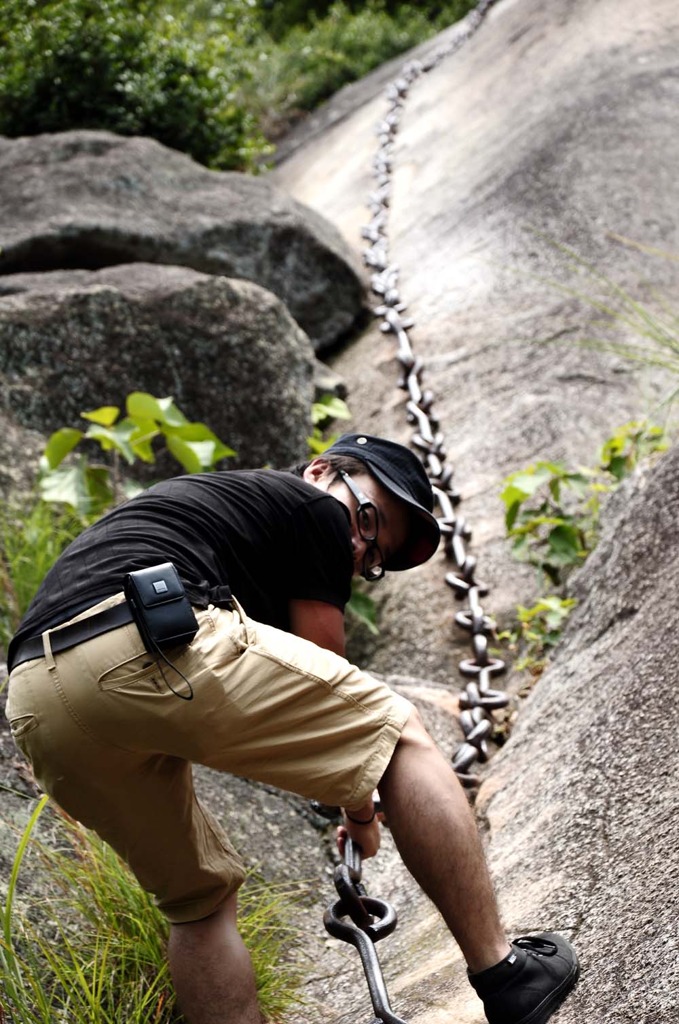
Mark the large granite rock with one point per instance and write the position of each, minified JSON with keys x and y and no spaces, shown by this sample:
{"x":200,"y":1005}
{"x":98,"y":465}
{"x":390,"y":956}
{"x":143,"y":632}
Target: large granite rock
{"x":582,"y":803}
{"x":227,"y":351}
{"x":86,"y":200}
{"x":20,"y":450}
{"x":553,"y":126}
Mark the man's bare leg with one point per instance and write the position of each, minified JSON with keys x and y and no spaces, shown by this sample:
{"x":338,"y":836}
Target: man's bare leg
{"x":437,"y":837}
{"x":212,"y":971}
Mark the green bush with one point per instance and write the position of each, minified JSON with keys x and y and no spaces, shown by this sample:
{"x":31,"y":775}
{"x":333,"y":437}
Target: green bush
{"x":279,"y":18}
{"x":123,"y":66}
{"x":199,"y":76}
{"x":552,"y":512}
{"x":311,"y":64}
{"x":88,"y":489}
{"x":312,"y":60}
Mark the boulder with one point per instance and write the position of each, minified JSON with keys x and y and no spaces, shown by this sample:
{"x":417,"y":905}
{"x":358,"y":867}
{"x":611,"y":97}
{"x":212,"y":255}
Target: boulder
{"x":581,"y":805}
{"x":227,"y":351}
{"x":20,"y":450}
{"x":91,"y":199}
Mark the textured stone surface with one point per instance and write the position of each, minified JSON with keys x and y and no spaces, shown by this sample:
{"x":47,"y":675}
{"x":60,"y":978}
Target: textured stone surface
{"x":87,"y":200}
{"x":20,"y":450}
{"x":227,"y":351}
{"x":582,"y":804}
{"x":554,"y":126}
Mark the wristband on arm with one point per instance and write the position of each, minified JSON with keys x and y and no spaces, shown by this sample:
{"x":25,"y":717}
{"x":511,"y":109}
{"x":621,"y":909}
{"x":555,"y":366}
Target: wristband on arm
{"x":357,"y":822}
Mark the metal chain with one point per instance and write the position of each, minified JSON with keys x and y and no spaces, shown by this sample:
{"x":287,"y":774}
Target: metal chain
{"x":372,"y":919}
{"x":479,"y":698}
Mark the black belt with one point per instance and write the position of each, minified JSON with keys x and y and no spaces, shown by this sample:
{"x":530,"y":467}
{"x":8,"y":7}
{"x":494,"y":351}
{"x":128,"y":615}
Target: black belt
{"x":63,"y":637}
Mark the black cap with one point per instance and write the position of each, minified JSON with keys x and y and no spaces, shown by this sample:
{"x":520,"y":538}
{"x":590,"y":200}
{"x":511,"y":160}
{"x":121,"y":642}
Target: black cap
{"x":400,"y":471}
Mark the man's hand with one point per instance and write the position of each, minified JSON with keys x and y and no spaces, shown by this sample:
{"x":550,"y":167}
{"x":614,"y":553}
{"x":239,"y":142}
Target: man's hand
{"x":366,"y":835}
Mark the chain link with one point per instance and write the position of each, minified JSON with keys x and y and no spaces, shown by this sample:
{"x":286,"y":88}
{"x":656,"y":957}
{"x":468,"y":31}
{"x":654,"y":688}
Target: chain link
{"x":371,"y":919}
{"x":479,"y":697}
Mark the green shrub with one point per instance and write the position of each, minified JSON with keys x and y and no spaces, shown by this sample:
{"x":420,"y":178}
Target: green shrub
{"x":75,"y":491}
{"x":537,"y":631}
{"x":552,"y":512}
{"x":88,"y":488}
{"x":552,"y":517}
{"x":279,"y":18}
{"x":314,"y":59}
{"x":311,"y":64}
{"x":197,"y":75}
{"x":119,"y":65}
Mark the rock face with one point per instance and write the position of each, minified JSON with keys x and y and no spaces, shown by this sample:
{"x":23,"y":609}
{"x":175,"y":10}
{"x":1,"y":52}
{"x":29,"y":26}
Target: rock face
{"x":552,"y":127}
{"x":86,"y":200}
{"x":582,"y":835}
{"x":227,"y":351}
{"x":20,"y":450}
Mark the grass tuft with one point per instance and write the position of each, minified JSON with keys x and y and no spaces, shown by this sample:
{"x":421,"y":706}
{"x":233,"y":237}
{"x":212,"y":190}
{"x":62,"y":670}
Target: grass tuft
{"x":32,"y":536}
{"x":92,"y":950}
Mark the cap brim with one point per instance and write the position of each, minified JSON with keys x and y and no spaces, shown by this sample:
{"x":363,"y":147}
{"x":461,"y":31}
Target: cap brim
{"x":425,"y":535}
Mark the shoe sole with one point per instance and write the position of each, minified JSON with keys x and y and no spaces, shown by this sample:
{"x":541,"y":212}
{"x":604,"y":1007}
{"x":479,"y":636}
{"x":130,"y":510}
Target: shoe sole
{"x":553,"y":1001}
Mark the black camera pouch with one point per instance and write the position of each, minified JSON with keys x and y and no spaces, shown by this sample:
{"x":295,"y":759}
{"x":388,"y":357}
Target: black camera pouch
{"x":160,"y":608}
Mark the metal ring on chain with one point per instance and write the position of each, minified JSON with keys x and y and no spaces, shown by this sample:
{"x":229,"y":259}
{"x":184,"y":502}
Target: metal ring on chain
{"x":477,"y":700}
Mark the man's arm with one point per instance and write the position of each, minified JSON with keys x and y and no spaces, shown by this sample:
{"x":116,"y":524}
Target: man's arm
{"x":323,"y":624}
{"x":320,"y":622}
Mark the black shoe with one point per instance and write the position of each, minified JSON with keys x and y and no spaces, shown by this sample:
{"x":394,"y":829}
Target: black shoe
{"x":529,"y":984}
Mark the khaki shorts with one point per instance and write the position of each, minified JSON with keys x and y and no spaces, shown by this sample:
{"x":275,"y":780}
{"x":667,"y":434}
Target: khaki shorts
{"x":113,"y":745}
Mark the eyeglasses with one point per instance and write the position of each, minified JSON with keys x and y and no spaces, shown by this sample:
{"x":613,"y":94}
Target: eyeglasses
{"x":366,"y":520}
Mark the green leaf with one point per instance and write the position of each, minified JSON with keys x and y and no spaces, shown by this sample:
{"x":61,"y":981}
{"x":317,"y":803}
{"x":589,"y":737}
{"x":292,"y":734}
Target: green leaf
{"x":511,"y":514}
{"x":99,"y":487}
{"x":105,"y":416}
{"x":329,"y":407}
{"x":520,"y":548}
{"x":68,"y":485}
{"x":519,"y":487}
{"x":565,"y":542}
{"x":364,"y":609}
{"x":552,"y":573}
{"x":131,"y":488}
{"x":204,"y":442}
{"x":114,"y":438}
{"x":530,"y":524}
{"x":318,"y":444}
{"x":194,"y":456}
{"x":617,"y":466}
{"x":526,"y":482}
{"x":141,"y":437}
{"x":140,"y":405}
{"x":60,"y":443}
{"x":557,"y":610}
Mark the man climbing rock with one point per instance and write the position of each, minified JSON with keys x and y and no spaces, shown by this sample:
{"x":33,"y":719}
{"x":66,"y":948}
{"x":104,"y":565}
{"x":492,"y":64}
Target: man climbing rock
{"x":112,"y":723}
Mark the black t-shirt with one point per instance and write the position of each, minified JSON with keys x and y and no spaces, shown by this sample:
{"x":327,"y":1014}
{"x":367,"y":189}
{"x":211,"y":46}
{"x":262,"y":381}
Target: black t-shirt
{"x":265,"y":536}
